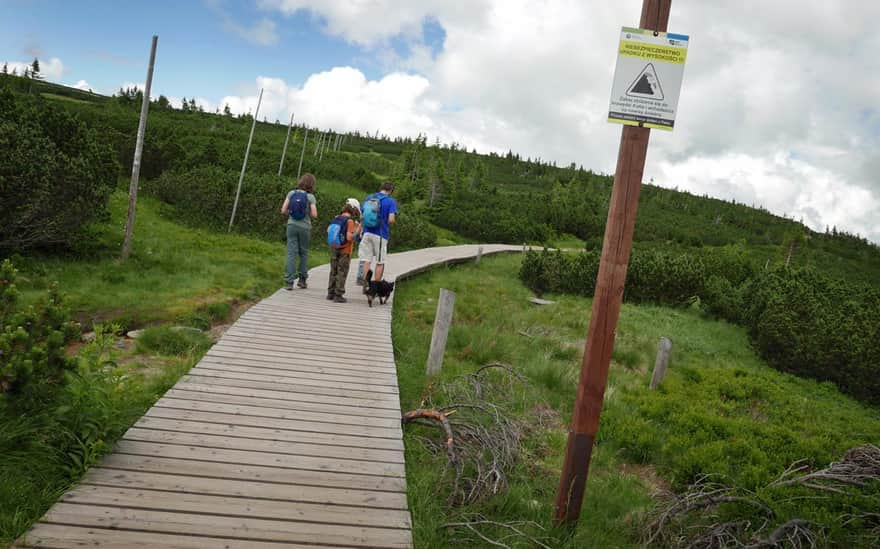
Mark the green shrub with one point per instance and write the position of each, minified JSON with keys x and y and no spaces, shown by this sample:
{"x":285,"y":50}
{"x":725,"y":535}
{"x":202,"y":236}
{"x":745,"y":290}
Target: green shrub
{"x":55,"y":176}
{"x":32,"y":340}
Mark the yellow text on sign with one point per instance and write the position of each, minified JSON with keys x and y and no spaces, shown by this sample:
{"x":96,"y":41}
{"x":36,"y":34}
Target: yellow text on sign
{"x":668,"y":54}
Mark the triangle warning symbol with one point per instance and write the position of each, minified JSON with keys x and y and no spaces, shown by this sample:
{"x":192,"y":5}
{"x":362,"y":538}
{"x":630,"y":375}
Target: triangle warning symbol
{"x":646,"y":84}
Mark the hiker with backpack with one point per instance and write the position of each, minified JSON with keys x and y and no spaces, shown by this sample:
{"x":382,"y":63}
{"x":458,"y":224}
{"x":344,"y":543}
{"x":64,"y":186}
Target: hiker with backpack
{"x":300,"y":208}
{"x":378,"y":212}
{"x":340,"y":237}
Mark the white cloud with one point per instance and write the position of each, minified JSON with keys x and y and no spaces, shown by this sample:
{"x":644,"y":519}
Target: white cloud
{"x":82,"y":85}
{"x":53,"y":69}
{"x":780,"y":108}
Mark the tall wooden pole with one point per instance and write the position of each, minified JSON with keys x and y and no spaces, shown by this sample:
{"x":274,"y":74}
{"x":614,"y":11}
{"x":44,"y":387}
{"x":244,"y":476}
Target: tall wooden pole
{"x":138,"y":149}
{"x":247,"y":151}
{"x":284,"y":150}
{"x":302,"y":154}
{"x":606,"y":302}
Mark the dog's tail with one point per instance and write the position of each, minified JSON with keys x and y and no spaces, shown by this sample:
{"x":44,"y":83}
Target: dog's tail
{"x":368,"y":277}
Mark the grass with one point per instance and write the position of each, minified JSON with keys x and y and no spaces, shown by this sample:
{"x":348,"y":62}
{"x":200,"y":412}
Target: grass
{"x":174,"y":271}
{"x":720,"y":410}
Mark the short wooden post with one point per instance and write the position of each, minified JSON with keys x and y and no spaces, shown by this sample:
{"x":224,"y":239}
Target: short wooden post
{"x":662,"y":362}
{"x":442,"y":321}
{"x":479,"y":254}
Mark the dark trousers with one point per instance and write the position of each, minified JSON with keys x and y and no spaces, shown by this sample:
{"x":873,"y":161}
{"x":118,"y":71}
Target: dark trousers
{"x":339,"y":264}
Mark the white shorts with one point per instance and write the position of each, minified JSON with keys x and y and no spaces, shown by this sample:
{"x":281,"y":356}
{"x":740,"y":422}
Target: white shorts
{"x":373,"y":248}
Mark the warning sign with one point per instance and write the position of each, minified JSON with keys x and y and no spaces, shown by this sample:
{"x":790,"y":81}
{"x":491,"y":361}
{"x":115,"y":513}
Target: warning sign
{"x":647,"y":79}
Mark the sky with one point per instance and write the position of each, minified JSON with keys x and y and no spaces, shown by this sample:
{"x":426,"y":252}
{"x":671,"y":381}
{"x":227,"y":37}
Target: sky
{"x":779,"y":107}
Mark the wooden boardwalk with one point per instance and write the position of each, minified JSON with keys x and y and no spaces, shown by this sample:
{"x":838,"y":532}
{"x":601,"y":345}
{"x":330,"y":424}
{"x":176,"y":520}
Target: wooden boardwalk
{"x":287,"y":433}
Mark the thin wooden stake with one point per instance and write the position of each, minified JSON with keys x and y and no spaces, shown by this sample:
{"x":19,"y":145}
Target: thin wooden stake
{"x":284,"y":150}
{"x":138,"y":149}
{"x":479,"y":255}
{"x":662,"y":361}
{"x":247,"y":151}
{"x":442,"y":321}
{"x":324,"y":147}
{"x":302,"y":154}
{"x":607,"y":300}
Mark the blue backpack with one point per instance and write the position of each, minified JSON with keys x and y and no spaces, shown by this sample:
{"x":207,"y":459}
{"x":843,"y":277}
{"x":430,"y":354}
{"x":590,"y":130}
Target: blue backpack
{"x":372,"y":209}
{"x":337,"y":232}
{"x":299,"y":205}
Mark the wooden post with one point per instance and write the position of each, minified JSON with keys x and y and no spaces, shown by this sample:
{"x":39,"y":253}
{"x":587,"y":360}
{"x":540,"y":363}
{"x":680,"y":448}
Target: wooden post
{"x":138,"y":149}
{"x":302,"y":154}
{"x":318,"y":144}
{"x":479,"y":254}
{"x":247,"y":151}
{"x":324,"y":147}
{"x":606,"y":302}
{"x":661,"y":362}
{"x":284,"y":150}
{"x":442,"y":321}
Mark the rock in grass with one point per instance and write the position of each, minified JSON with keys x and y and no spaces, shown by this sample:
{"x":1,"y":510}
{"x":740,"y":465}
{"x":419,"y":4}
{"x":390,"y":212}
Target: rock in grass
{"x":134,"y":334}
{"x":88,"y":337}
{"x":539,"y":301}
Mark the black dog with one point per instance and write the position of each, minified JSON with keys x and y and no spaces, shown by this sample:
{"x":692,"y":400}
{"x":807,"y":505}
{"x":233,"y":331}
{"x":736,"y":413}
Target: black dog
{"x":377,"y":288}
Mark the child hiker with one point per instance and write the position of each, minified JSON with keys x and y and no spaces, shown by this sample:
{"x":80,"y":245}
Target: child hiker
{"x":340,"y":238}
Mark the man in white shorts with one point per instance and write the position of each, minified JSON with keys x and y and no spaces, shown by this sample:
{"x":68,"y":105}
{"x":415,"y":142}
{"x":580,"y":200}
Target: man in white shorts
{"x":378,"y":213}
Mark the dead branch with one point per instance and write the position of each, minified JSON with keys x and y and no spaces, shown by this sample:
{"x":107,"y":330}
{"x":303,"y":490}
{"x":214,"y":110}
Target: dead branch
{"x":702,"y":494}
{"x":486,"y":439}
{"x":858,"y":467}
{"x":514,"y":527}
{"x":794,"y":533}
{"x":439,"y":417}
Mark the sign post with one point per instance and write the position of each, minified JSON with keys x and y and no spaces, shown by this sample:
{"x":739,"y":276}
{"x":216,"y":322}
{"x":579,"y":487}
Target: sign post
{"x":642,"y":109}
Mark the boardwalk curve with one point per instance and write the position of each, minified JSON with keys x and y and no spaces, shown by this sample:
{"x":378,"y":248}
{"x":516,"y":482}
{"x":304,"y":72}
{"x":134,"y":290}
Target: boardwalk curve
{"x":286,"y":433}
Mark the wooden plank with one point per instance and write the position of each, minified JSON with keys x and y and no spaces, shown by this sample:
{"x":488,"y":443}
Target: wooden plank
{"x":279,"y":347}
{"x":242,"y":406}
{"x":387,"y":382}
{"x":351,"y":361}
{"x":245,"y":457}
{"x":365,"y":457}
{"x":371,"y":367}
{"x":304,"y":394}
{"x":253,"y":397}
{"x":270,"y":329}
{"x":292,"y":344}
{"x":198,"y":425}
{"x":98,"y":476}
{"x":347,"y":395}
{"x":295,"y":378}
{"x":237,"y":471}
{"x":236,"y":528}
{"x":63,"y":536}
{"x":231,"y":506}
{"x":355,"y":375}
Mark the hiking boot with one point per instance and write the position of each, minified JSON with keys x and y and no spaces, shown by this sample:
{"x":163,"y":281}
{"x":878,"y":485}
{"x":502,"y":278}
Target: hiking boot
{"x":302,"y":283}
{"x":330,"y":297}
{"x":288,"y":286}
{"x":340,"y":299}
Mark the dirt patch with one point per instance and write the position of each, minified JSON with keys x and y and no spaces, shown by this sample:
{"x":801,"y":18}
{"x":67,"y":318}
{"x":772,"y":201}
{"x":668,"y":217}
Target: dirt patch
{"x":216,"y":332}
{"x":648,"y":475}
{"x":241,"y":307}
